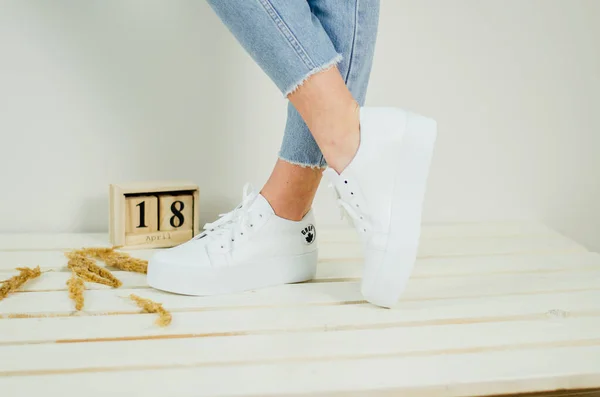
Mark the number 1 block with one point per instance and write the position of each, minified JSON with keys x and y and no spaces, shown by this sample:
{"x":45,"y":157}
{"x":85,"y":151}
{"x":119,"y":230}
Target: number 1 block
{"x":176,"y":212}
{"x":142,"y":214}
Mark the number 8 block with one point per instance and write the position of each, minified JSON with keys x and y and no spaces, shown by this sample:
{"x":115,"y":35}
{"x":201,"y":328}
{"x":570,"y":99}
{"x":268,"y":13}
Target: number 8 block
{"x":175,"y":212}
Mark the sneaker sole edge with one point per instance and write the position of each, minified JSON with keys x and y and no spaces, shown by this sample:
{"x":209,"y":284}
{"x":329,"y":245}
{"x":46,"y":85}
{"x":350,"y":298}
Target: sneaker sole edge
{"x":232,"y":279}
{"x":410,"y":183}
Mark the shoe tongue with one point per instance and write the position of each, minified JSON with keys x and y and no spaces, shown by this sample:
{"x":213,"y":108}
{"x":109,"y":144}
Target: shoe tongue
{"x":262,"y":205}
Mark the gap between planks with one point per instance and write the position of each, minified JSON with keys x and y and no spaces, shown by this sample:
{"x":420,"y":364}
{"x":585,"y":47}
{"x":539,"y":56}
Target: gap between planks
{"x":560,"y":393}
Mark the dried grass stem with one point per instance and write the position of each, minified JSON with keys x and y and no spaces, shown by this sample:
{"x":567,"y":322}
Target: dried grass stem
{"x":76,"y":288}
{"x":150,"y":306}
{"x":15,"y":282}
{"x":88,"y":270}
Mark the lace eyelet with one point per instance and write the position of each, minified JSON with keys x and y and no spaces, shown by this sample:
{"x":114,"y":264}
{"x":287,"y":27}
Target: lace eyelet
{"x":222,"y":247}
{"x":232,"y":240}
{"x":352,"y":193}
{"x":365,"y":230}
{"x":241,"y":234}
{"x":346,"y":182}
{"x":251,"y":225}
{"x":260,"y":215}
{"x":356,"y":205}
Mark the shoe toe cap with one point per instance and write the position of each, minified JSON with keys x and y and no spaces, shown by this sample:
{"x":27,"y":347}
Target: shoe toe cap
{"x":183,"y":256}
{"x":178,"y":269}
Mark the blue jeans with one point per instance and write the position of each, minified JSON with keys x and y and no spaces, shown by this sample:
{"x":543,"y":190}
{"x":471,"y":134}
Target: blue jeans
{"x":293,"y":39}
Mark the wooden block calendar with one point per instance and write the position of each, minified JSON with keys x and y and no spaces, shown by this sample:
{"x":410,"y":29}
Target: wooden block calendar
{"x":153,"y":214}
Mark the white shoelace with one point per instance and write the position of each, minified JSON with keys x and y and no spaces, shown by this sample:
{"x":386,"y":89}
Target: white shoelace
{"x":234,"y":223}
{"x":348,"y":212}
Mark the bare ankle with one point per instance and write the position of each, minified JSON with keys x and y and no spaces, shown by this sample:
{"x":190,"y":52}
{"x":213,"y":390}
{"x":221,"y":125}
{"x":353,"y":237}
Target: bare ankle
{"x":284,"y":208}
{"x":343,"y":141}
{"x":291,"y":189}
{"x":331,"y":114}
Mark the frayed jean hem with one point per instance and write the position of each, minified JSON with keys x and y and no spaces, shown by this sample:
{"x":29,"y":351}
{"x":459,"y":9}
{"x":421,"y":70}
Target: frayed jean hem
{"x":303,"y":165}
{"x":328,"y":65}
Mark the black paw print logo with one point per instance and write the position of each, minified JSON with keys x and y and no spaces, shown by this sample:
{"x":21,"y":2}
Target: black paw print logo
{"x":309,"y":237}
{"x":309,"y":234}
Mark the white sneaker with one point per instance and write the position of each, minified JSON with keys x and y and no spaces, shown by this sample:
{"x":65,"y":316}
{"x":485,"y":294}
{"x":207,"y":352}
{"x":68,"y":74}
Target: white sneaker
{"x":382,"y":191}
{"x":247,"y":248}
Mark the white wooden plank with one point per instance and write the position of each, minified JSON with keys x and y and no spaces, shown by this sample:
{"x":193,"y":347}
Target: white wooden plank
{"x":466,"y":246}
{"x":406,"y":341}
{"x":114,"y":300}
{"x":62,"y":241}
{"x":48,"y":259}
{"x":445,"y":375}
{"x":424,"y":268}
{"x":51,"y":241}
{"x":443,"y":230}
{"x":485,"y":229}
{"x":455,"y":246}
{"x":474,"y":265}
{"x":303,"y":318}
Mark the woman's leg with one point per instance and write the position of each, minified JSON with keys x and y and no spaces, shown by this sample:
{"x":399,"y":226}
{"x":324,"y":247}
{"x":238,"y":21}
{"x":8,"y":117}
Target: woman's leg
{"x":331,"y":114}
{"x":289,"y":43}
{"x":352,"y":28}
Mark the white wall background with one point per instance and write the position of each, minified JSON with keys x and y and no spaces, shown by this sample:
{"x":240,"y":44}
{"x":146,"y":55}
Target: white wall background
{"x":95,"y":92}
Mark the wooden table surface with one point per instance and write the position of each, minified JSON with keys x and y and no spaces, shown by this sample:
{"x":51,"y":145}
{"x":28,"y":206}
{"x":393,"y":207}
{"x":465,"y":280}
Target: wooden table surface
{"x":498,"y":308}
